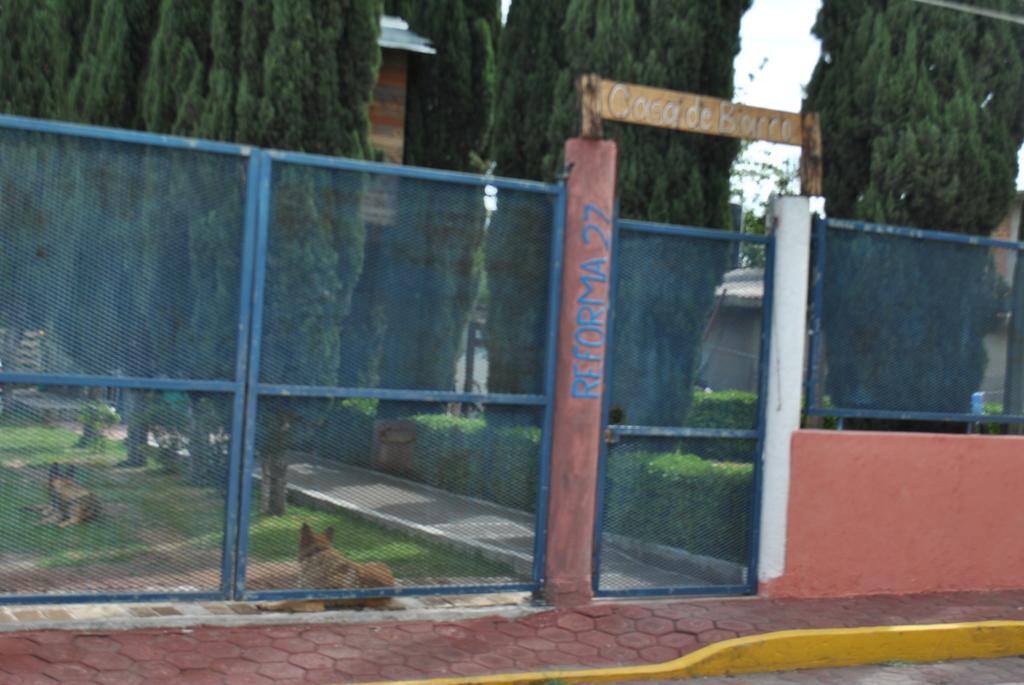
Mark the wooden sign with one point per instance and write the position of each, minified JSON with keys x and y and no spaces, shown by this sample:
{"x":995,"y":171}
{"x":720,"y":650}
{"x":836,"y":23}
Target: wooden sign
{"x":605,"y":100}
{"x":811,"y":167}
{"x":635,"y":104}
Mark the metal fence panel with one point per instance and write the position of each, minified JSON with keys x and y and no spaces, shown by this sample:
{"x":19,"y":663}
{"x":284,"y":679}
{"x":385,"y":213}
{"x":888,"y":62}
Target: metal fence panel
{"x":401,"y":342}
{"x":914,"y":324}
{"x":78,"y":523}
{"x":679,"y":492}
{"x":123,"y":259}
{"x":394,"y":268}
{"x":394,"y":385}
{"x":440,"y":494}
{"x":677,"y":514}
{"x":123,"y":318}
{"x":687,"y":309}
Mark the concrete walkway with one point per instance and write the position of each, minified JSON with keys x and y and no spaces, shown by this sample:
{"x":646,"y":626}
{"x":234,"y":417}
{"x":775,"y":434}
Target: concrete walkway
{"x":602,"y":634}
{"x":495,"y":532}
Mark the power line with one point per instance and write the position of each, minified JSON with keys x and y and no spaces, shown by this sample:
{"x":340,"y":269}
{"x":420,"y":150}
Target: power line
{"x":981,"y":11}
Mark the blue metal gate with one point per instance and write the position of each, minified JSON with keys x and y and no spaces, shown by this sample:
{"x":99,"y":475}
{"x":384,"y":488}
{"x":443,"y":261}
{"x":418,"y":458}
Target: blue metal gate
{"x":417,"y":432}
{"x":100,"y":234}
{"x":208,"y":347}
{"x":680,"y":468}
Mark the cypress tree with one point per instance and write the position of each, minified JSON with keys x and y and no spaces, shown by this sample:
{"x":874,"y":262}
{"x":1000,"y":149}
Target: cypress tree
{"x":922,"y":113}
{"x":256,"y":21}
{"x":115,"y":45}
{"x":214,"y":255}
{"x":665,"y":176}
{"x":315,"y":255}
{"x":174,"y":86}
{"x":328,"y":114}
{"x":100,"y":331}
{"x":86,"y":325}
{"x":531,"y":53}
{"x":362,"y":336}
{"x":431,"y":259}
{"x":530,"y":56}
{"x":170,"y":101}
{"x":287,"y":90}
{"x":485,"y":23}
{"x":36,"y":52}
{"x":894,"y":80}
{"x":451,"y":94}
{"x":431,"y":282}
{"x":339,"y":120}
{"x":518,"y":258}
{"x":218,"y":118}
{"x":37,"y":43}
{"x":305,"y":74}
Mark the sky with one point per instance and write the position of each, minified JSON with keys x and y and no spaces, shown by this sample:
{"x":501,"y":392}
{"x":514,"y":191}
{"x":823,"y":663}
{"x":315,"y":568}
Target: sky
{"x":778,"y":50}
{"x":777,"y":56}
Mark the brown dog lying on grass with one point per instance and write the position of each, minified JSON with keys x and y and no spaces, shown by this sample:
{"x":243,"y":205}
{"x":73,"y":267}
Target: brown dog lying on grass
{"x":322,"y":567}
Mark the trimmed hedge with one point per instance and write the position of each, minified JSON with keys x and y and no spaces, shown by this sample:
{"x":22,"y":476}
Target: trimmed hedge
{"x":348,"y":434}
{"x":729,"y":409}
{"x":674,"y":498}
{"x":472,"y":457}
{"x":493,"y":462}
{"x":993,"y":409}
{"x":723,"y":409}
{"x":680,"y":500}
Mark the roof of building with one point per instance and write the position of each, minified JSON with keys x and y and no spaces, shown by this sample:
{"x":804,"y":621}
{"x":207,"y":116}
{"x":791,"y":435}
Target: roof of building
{"x":742,"y":287}
{"x":395,"y":34}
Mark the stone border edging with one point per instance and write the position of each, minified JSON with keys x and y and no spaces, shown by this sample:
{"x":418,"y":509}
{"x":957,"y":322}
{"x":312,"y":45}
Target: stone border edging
{"x":256,"y":620}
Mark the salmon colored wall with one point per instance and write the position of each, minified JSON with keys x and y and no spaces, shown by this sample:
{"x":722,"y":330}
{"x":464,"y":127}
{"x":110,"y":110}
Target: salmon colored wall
{"x":873,"y":513}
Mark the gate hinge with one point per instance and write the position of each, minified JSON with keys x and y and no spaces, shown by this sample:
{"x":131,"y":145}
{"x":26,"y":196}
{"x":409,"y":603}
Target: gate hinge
{"x":610,"y":436}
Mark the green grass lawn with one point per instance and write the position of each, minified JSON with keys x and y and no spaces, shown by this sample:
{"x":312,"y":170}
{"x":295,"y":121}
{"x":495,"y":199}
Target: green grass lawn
{"x":147,"y":507}
{"x":142,"y":507}
{"x":277,"y":537}
{"x":35,"y":444}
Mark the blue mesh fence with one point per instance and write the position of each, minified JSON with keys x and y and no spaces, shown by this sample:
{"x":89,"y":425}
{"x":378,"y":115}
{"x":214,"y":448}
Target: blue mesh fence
{"x":677,"y":513}
{"x":684,"y":412}
{"x":391,"y":390}
{"x":439,"y":497}
{"x":121,"y":259}
{"x":392,"y":271}
{"x":912,"y":324}
{"x":77,"y":522}
{"x":687,"y":309}
{"x":120,"y":306}
{"x":399,"y":307}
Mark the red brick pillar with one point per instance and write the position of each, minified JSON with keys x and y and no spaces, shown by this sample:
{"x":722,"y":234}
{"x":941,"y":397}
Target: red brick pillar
{"x":579,"y":384}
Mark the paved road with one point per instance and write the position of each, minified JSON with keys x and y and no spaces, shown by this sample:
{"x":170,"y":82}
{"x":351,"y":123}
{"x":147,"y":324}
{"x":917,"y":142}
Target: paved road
{"x":988,"y":672}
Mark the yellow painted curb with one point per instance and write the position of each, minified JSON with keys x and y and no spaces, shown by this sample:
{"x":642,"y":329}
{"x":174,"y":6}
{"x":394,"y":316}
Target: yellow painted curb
{"x":788,"y":650}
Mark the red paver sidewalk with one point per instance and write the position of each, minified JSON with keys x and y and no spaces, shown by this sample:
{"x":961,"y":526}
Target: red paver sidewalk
{"x":603,"y":634}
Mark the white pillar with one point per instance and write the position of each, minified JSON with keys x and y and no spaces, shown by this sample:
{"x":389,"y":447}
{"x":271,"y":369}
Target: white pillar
{"x":791,"y":223}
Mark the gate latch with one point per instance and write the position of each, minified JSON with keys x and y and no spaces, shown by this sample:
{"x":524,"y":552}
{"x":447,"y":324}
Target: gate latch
{"x":610,"y":436}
